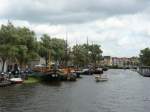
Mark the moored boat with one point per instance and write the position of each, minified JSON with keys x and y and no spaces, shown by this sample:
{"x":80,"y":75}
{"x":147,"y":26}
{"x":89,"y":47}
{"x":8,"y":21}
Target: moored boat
{"x":16,"y":80}
{"x":105,"y":68}
{"x":144,"y":71}
{"x":99,"y":78}
{"x":98,"y":71}
{"x":87,"y":71}
{"x":71,"y":77}
{"x":78,"y":74}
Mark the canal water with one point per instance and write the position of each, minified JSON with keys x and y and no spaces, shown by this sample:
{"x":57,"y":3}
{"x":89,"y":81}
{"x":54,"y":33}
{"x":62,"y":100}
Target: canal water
{"x":125,"y":91}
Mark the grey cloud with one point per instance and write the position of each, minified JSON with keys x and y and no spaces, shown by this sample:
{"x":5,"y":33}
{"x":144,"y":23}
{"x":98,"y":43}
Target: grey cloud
{"x":70,"y":11}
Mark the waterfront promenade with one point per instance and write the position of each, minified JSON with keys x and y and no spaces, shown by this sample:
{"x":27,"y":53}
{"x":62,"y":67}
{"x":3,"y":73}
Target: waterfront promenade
{"x":125,"y":91}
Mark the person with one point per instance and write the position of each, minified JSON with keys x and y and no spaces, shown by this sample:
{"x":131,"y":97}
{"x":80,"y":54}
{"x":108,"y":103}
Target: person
{"x":16,"y":70}
{"x":1,"y":77}
{"x":26,"y":73}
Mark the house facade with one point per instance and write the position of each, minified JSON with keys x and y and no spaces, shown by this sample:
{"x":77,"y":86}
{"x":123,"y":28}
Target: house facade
{"x":38,"y":61}
{"x":119,"y":61}
{"x":107,"y":60}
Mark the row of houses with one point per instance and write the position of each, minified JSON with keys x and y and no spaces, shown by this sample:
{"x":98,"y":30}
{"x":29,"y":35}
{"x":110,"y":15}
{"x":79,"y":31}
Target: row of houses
{"x":107,"y":61}
{"x":120,"y":61}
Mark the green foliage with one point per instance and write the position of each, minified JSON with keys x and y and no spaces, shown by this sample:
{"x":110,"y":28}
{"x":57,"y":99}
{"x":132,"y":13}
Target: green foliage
{"x":145,"y":57}
{"x":58,"y":49}
{"x":86,"y":54}
{"x":95,"y":53}
{"x":53,"y":47}
{"x":8,"y":34}
{"x":27,"y":46}
{"x":19,"y":44}
{"x":80,"y":55}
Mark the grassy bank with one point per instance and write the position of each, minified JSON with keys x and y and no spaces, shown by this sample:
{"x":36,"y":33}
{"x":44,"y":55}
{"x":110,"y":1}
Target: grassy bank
{"x":32,"y":80}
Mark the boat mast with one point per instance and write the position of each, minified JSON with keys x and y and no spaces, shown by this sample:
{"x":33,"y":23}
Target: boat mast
{"x":76,"y":52}
{"x":49,"y":59}
{"x":87,"y":44}
{"x":87,"y":40}
{"x":66,"y":50}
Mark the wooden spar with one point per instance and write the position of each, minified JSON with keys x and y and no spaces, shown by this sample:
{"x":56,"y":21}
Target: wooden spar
{"x":87,"y":39}
{"x":66,"y":50}
{"x":49,"y":60}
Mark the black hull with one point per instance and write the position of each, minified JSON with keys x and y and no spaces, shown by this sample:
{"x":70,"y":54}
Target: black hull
{"x":69,"y":77}
{"x":145,"y":74}
{"x":144,"y":71}
{"x":78,"y":75}
{"x":87,"y":73}
{"x":51,"y":77}
{"x":98,"y":72}
{"x":105,"y":69}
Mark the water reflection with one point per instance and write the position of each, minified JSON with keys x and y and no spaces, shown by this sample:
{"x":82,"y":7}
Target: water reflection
{"x":126,"y":91}
{"x":52,"y":83}
{"x":12,"y":98}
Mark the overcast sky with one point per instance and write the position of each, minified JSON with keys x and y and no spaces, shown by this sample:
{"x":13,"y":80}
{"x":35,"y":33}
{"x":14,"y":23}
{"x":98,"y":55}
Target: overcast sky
{"x":121,"y":27}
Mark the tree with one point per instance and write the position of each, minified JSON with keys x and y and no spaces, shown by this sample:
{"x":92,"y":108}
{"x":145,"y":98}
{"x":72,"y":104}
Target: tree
{"x":95,"y":53}
{"x":8,"y":34}
{"x":57,"y":49}
{"x":7,"y":52}
{"x":79,"y":55}
{"x":52,"y":47}
{"x":87,"y":54}
{"x":17,"y":44}
{"x":20,"y":44}
{"x":145,"y":57}
{"x":8,"y":39}
{"x":27,"y":46}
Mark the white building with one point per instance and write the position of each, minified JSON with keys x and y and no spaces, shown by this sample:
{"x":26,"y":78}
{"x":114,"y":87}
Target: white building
{"x":124,"y":61}
{"x":107,"y":60}
{"x":38,"y":61}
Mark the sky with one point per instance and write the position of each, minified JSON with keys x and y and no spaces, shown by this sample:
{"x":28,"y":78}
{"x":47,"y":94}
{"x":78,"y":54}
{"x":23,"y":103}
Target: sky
{"x":121,"y":27}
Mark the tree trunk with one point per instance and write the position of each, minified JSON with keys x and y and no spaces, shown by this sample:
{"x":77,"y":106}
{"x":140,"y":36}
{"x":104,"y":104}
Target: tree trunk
{"x":21,"y":66}
{"x":46,"y":61}
{"x":3,"y":64}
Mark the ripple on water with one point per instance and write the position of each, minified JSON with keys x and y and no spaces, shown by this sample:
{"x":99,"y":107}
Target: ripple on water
{"x":125,"y":91}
